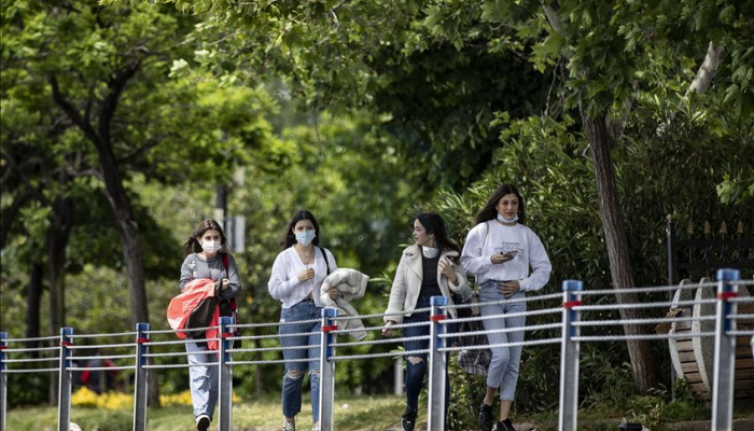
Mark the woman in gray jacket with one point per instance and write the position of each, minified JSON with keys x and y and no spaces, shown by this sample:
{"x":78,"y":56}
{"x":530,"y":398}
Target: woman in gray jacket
{"x":427,"y":268}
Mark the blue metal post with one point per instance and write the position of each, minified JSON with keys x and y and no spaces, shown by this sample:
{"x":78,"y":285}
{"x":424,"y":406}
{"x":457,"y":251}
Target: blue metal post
{"x":437,"y":365}
{"x":3,"y":382}
{"x":569,"y":357}
{"x":226,"y":375}
{"x":725,"y":351}
{"x":141,"y":377}
{"x":327,"y":370}
{"x":64,"y":395}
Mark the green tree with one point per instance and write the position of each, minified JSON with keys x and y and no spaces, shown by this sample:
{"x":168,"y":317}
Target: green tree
{"x":597,"y":52}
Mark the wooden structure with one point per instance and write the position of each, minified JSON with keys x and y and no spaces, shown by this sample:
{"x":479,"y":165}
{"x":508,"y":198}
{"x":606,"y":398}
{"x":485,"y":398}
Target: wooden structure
{"x":700,"y":256}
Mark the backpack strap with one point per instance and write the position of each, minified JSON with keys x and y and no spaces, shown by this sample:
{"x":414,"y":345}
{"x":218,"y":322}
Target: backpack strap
{"x":324,"y":255}
{"x":224,"y":257}
{"x":225,"y":263}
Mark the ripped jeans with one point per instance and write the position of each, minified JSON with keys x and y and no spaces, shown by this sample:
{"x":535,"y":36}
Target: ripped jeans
{"x":294,"y":371}
{"x":416,"y":365}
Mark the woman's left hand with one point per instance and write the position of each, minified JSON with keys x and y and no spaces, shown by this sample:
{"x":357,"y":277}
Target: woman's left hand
{"x":510,"y":288}
{"x":333,"y":292}
{"x":446,"y":266}
{"x":226,"y":283}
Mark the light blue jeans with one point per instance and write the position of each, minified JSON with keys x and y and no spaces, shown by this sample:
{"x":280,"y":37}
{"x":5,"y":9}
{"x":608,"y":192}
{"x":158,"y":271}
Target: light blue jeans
{"x":503,"y":370}
{"x":203,"y":380}
{"x":294,"y":371}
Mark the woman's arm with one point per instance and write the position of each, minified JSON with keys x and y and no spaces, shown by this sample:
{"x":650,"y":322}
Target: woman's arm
{"x":187,"y":274}
{"x":397,"y":294}
{"x":234,"y":286}
{"x":472,"y":258}
{"x":540,"y":263}
{"x":461,"y":286}
{"x":280,"y":285}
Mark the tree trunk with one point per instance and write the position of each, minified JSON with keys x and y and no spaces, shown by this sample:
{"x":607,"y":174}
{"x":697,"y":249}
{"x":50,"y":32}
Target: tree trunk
{"x":61,"y":220}
{"x":33,"y":302}
{"x":125,"y":221}
{"x":133,"y":254}
{"x":643,"y":366}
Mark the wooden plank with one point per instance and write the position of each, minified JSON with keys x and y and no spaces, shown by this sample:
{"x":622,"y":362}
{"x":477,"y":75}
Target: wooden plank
{"x":694,"y":377}
{"x":690,"y":367}
{"x":686,"y":357}
{"x":744,"y":364}
{"x":683,"y":346}
{"x":744,"y":384}
{"x":743,"y":395}
{"x":745,"y":373}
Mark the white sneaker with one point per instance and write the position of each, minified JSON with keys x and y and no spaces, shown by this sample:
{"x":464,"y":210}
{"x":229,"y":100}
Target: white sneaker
{"x":202,"y":423}
{"x":289,"y":426}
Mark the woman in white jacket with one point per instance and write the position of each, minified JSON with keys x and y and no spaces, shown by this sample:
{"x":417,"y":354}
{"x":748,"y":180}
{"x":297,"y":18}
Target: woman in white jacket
{"x":499,"y":251}
{"x":427,"y":268}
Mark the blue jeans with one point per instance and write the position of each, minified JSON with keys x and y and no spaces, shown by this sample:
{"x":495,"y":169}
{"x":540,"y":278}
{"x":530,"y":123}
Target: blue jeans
{"x":503,"y":371}
{"x":203,"y":381}
{"x":415,"y":372}
{"x":294,"y":371}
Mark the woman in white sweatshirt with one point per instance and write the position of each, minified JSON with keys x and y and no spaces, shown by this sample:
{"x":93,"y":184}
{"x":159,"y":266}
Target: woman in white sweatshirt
{"x":499,"y":251}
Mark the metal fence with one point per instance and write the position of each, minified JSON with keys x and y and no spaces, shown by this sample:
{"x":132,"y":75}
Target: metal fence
{"x":570,"y":305}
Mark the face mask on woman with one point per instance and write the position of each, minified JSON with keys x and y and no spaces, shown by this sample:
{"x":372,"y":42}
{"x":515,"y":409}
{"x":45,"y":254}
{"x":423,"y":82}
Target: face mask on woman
{"x":306,"y":237}
{"x":211,"y":246}
{"x":502,"y":219}
{"x":430,"y":252}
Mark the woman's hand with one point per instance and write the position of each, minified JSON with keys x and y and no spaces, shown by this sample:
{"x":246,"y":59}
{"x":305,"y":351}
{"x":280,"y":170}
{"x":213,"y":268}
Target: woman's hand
{"x":333,"y":292}
{"x":386,"y":331}
{"x":306,"y":274}
{"x":446,"y":267}
{"x":510,"y":288}
{"x":499,"y":258}
{"x":226,"y":283}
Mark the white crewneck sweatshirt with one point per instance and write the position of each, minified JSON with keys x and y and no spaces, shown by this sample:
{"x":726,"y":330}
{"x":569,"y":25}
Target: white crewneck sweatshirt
{"x":489,"y":238}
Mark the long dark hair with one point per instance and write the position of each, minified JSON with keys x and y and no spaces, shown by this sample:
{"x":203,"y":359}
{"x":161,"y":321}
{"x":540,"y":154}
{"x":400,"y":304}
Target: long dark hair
{"x":433,"y":223}
{"x":290,"y":238}
{"x":489,"y":211}
{"x":193,"y":245}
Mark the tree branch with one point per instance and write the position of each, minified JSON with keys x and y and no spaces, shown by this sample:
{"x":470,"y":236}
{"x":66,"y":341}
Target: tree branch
{"x":139,"y":151}
{"x":110,"y":103}
{"x":71,"y":111}
{"x":707,"y":71}
{"x":554,"y":19}
{"x":700,"y":84}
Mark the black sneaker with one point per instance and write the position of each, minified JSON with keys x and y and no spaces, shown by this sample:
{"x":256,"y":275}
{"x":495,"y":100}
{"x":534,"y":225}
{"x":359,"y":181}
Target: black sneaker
{"x":409,"y":419}
{"x":505,"y":425}
{"x":202,"y":423}
{"x":485,"y":417}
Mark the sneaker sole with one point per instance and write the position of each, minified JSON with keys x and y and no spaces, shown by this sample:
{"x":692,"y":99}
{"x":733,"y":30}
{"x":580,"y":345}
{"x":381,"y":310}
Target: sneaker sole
{"x":203,"y":424}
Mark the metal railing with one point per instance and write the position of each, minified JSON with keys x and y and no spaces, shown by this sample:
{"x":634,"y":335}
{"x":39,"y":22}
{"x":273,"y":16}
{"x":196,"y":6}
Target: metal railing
{"x":570,"y":306}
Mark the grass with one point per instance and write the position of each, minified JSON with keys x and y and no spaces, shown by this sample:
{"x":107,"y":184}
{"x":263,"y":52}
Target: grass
{"x":351,"y":413}
{"x":377,"y":413}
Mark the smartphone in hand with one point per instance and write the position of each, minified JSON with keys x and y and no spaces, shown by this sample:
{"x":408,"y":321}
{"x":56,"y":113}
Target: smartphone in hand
{"x":512,"y":254}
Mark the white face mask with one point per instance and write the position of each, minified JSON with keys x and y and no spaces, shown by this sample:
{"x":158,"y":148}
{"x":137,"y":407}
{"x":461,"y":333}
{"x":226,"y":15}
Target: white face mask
{"x":430,"y":252}
{"x":211,"y":246}
{"x":306,"y":237}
